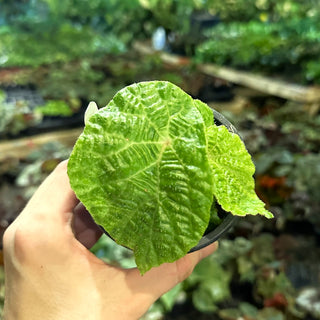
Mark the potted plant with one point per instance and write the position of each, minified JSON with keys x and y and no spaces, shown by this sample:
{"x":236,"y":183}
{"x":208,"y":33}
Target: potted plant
{"x":153,"y":169}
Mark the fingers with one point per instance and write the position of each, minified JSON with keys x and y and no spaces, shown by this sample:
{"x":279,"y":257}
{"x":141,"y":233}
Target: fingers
{"x":84,"y":228}
{"x":54,"y":199}
{"x":161,"y":279}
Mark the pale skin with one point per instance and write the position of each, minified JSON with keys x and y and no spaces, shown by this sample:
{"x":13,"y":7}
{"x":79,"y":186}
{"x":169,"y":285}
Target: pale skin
{"x":50,"y":273}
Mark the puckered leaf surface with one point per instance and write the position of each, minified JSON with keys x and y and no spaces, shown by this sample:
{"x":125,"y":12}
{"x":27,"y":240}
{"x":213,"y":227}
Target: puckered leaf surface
{"x":232,"y":173}
{"x":141,"y":169}
{"x":205,"y":111}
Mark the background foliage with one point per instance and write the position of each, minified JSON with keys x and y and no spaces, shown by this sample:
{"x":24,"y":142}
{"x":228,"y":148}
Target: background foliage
{"x":271,"y":37}
{"x":43,"y":31}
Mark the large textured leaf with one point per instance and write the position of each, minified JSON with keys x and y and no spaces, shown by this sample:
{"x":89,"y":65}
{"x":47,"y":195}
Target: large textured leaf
{"x":232,"y":171}
{"x":141,"y":169}
{"x":205,"y":111}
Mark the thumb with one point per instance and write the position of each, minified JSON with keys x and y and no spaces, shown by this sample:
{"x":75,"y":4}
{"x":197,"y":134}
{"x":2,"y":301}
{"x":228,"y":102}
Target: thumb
{"x":159,"y":280}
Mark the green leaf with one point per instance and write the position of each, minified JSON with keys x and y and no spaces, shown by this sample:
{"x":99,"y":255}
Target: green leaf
{"x":169,"y":298}
{"x":270,"y":314}
{"x":246,"y":269}
{"x":230,"y":314}
{"x":148,"y":166}
{"x":55,"y":108}
{"x":203,"y":302}
{"x":233,"y":170}
{"x":205,"y":111}
{"x":2,"y":96}
{"x":141,"y":169}
{"x":248,"y":310}
{"x":212,"y":284}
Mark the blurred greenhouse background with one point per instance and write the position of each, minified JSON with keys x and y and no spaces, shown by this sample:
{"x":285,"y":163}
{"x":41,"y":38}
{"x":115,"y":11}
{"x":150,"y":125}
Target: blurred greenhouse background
{"x":255,"y":61}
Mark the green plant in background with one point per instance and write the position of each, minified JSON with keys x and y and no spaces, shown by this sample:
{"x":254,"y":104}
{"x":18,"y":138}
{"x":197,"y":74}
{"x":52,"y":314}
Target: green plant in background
{"x":64,"y":44}
{"x":312,"y":70}
{"x":249,"y":262}
{"x":298,"y":164}
{"x":107,"y":250}
{"x":281,"y":35}
{"x":19,"y":115}
{"x":279,"y":38}
{"x":43,"y":31}
{"x":173,"y":15}
{"x":15,"y":116}
{"x":38,"y":165}
{"x":284,"y":142}
{"x":289,"y":47}
{"x":305,"y":176}
{"x":240,"y":10}
{"x":89,"y":79}
{"x":82,"y":81}
{"x":54,"y":108}
{"x":265,"y":10}
{"x":298,"y":124}
{"x":290,"y":181}
{"x":183,"y":22}
{"x":209,"y":285}
{"x":95,"y":79}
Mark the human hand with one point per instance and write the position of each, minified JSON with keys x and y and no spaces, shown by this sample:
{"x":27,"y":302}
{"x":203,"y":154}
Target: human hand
{"x":50,"y":273}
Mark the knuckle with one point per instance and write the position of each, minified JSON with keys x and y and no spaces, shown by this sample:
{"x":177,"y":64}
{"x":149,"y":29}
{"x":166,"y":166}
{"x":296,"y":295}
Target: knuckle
{"x":14,"y":242}
{"x":23,"y":241}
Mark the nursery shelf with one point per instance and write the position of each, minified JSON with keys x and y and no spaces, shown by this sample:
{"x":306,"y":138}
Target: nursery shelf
{"x":271,"y":86}
{"x":20,"y":148}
